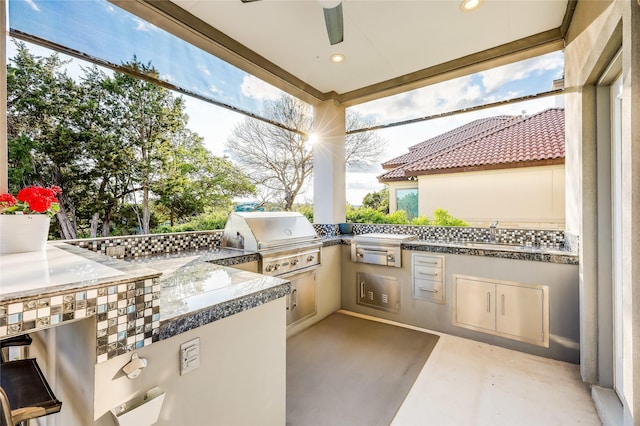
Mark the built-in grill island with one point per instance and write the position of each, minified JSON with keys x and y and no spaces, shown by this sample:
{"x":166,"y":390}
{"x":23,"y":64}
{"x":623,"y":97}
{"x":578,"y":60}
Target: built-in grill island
{"x":378,"y":290}
{"x":379,"y":249}
{"x":288,"y":247}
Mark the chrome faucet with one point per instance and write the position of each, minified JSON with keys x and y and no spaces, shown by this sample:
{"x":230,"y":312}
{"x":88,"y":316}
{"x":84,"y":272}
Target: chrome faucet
{"x":492,"y":231}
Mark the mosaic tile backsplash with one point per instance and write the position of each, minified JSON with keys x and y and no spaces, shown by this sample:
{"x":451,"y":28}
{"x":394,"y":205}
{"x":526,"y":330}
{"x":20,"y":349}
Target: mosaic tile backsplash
{"x":147,"y":245}
{"x":127,"y":314}
{"x":526,"y":237}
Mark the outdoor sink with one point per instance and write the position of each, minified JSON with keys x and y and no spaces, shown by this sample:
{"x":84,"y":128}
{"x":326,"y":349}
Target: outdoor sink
{"x":496,"y":246}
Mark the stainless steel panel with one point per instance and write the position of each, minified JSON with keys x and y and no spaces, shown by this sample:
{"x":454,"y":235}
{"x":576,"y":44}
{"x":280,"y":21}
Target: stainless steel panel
{"x":266,"y":230}
{"x":378,"y":291}
{"x":427,"y":273}
{"x":508,"y":309}
{"x":520,"y":312}
{"x":301,"y":302}
{"x":376,"y":255}
{"x":474,"y":304}
{"x":428,"y":261}
{"x":373,"y":256}
{"x":428,"y":290}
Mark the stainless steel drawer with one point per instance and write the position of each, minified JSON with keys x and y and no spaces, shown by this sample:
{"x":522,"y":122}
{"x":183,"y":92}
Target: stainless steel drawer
{"x":429,"y":261}
{"x":428,"y":290}
{"x":427,"y":273}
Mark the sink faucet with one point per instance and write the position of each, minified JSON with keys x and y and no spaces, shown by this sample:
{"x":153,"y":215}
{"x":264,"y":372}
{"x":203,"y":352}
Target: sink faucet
{"x":492,"y":231}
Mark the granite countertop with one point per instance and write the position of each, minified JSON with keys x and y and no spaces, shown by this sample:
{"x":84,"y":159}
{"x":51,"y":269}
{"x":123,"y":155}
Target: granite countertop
{"x":505,"y":251}
{"x":61,"y":268}
{"x":159,"y":296}
{"x":195,"y":291}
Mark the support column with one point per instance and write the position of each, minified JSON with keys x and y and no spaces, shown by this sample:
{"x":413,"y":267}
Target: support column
{"x":4,"y":150}
{"x":329,"y":189}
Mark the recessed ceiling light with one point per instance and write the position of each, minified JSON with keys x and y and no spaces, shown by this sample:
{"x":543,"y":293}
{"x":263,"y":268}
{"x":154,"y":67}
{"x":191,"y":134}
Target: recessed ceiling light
{"x":468,"y":5}
{"x":336,"y":58}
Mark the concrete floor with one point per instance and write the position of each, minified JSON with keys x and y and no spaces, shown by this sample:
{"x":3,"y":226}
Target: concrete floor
{"x":465,"y":382}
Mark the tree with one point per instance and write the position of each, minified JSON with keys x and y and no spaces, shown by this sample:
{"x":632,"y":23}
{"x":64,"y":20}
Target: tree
{"x":279,"y":162}
{"x":192,"y":180}
{"x":105,"y":140}
{"x":44,"y":145}
{"x":377,"y":200}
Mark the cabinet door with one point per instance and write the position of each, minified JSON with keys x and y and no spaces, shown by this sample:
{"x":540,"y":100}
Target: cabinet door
{"x":474,"y":304}
{"x":520,"y":312}
{"x":302,"y":300}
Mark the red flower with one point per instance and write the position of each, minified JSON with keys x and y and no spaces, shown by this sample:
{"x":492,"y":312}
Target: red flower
{"x":33,"y":199}
{"x":7,"y":200}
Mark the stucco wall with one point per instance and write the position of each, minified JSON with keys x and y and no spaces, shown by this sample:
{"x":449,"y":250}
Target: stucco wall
{"x":598,"y":30}
{"x":531,"y":197}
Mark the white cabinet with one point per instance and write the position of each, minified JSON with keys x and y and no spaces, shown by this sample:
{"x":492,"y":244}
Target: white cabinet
{"x":513,"y":310}
{"x":427,"y":277}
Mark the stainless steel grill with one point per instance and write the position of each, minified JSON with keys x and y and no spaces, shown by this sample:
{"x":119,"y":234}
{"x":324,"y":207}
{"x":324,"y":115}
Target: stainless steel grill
{"x":379,"y":249}
{"x":286,"y":241}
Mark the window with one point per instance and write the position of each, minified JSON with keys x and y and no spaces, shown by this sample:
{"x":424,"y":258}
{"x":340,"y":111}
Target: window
{"x":407,"y":200}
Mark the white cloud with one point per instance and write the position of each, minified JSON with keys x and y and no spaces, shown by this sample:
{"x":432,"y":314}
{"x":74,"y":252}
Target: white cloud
{"x":214,"y":89}
{"x":255,"y":88}
{"x":33,"y":5}
{"x":445,"y":96}
{"x":496,"y":77}
{"x":204,"y":70}
{"x":143,"y":25}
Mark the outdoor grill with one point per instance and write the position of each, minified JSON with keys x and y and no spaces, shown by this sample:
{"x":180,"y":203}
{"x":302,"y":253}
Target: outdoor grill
{"x":379,"y":249}
{"x":286,"y":241}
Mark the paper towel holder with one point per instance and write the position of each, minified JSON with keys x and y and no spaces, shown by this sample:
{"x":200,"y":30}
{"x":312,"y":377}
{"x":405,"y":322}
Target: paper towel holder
{"x":135,"y":366}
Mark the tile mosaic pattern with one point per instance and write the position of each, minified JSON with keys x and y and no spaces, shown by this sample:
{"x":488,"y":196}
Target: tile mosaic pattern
{"x":146,"y":245}
{"x":127,"y":315}
{"x":527,"y":237}
{"x":326,"y":230}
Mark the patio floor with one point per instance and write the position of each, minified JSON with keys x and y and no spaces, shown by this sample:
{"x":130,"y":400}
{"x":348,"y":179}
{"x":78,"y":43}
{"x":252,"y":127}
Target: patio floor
{"x":465,"y":382}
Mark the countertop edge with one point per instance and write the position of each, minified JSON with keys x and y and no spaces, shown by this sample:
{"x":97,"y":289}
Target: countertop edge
{"x":171,"y":327}
{"x":535,"y":255}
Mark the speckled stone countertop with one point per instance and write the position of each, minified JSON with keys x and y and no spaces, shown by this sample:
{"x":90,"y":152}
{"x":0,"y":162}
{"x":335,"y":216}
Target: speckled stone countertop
{"x":504,"y":251}
{"x":195,"y":291}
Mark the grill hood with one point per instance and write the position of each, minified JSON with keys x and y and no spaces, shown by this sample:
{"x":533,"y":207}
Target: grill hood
{"x":259,"y":231}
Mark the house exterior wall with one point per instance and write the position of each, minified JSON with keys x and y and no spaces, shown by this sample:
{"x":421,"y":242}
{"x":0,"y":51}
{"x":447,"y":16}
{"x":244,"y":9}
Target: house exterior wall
{"x":530,"y":197}
{"x":598,"y":30}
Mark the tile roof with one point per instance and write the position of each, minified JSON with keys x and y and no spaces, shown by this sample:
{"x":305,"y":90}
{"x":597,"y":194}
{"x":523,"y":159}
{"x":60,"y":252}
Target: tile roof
{"x":511,"y":142}
{"x":447,"y":139}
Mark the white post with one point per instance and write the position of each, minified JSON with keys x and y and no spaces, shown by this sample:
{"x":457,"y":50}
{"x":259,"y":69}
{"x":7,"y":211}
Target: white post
{"x":329,"y":189}
{"x":4,"y":149}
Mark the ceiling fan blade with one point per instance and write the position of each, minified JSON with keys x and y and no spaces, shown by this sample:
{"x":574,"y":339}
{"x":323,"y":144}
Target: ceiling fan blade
{"x":335,"y":26}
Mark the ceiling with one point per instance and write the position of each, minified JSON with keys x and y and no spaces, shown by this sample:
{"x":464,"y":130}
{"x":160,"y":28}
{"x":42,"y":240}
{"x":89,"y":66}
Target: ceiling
{"x":390,"y":46}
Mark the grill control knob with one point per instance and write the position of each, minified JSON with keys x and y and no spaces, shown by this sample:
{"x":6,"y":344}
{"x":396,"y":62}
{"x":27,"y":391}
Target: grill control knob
{"x":276,"y":266}
{"x":310,"y":258}
{"x":294,"y":262}
{"x":269,"y":268}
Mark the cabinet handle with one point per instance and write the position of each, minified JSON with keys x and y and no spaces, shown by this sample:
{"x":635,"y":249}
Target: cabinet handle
{"x":361,"y":290}
{"x":294,"y":298}
{"x":424,"y":262}
{"x":431,"y":290}
{"x":488,"y":302}
{"x":433,"y":274}
{"x":502,"y":302}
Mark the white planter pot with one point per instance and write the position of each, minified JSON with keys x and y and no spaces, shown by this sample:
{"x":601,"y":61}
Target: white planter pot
{"x":21,"y":233}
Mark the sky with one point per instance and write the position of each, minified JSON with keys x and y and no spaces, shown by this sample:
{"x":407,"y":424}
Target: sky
{"x":103,"y":30}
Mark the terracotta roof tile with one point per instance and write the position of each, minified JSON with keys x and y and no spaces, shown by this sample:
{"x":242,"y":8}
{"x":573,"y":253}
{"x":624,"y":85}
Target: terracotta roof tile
{"x":447,"y":139}
{"x":534,"y":138}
